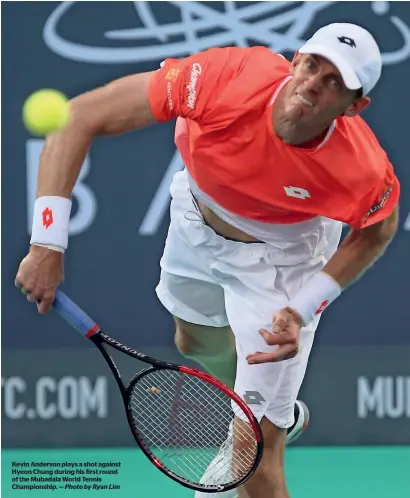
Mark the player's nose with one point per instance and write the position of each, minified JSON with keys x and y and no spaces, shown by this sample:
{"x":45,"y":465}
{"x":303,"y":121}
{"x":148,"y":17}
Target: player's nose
{"x":313,"y":83}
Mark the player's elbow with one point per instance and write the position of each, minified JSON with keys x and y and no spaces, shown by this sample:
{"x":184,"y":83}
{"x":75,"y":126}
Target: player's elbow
{"x":89,"y":111}
{"x":84,"y":115}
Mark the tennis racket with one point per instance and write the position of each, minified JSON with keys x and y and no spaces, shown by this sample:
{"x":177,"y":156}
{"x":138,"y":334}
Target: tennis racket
{"x":192,"y":427}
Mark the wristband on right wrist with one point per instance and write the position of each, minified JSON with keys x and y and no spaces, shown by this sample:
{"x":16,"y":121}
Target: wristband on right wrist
{"x":50,"y":221}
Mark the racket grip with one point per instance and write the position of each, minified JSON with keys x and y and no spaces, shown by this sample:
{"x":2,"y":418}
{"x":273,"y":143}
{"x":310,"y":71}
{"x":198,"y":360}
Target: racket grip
{"x":74,"y":315}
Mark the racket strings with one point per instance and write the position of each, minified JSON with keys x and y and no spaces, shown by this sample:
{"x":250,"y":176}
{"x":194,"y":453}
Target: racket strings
{"x":181,"y":458}
{"x":176,"y":441}
{"x":188,"y":424}
{"x":181,"y":414}
{"x":157,"y":442}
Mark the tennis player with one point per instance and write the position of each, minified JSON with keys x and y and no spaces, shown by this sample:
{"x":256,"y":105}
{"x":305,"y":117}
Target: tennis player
{"x":277,"y":159}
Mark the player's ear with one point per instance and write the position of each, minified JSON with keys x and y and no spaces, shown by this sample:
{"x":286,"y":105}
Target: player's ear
{"x":295,"y":60}
{"x":358,"y":106}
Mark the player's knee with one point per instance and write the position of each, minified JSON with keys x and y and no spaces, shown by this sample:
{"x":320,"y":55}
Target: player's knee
{"x":202,"y":347}
{"x":185,"y":343}
{"x":204,"y":344}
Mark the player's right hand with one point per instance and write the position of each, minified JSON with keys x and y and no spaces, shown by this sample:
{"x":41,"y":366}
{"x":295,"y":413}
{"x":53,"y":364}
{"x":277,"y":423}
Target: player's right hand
{"x":39,"y":275}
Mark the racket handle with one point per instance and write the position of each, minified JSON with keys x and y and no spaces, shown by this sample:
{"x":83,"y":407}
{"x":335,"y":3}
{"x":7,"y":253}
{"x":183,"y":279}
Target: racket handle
{"x":74,"y":315}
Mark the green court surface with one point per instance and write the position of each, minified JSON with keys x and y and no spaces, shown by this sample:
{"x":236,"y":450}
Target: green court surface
{"x":369,"y":472}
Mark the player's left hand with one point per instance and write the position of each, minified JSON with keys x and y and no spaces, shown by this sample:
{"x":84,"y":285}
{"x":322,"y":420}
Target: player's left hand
{"x":286,"y":329}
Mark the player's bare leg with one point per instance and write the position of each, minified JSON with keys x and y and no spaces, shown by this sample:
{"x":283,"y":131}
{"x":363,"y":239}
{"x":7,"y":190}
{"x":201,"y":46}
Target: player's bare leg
{"x":212,"y":347}
{"x":269,"y":478}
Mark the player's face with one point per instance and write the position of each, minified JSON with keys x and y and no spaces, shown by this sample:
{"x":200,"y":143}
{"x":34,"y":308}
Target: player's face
{"x":316,"y":95}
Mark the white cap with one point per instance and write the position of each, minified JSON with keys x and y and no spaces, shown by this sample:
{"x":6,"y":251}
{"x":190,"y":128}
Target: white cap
{"x":352,"y":49}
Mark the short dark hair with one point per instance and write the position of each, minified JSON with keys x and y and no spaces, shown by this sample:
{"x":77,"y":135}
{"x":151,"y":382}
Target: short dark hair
{"x":359,"y":93}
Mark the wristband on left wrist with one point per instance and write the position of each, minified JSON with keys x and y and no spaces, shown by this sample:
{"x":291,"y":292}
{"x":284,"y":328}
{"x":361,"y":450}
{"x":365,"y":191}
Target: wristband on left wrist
{"x":315,"y":296}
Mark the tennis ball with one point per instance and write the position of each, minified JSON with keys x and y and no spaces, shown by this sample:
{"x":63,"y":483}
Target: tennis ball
{"x":45,"y":111}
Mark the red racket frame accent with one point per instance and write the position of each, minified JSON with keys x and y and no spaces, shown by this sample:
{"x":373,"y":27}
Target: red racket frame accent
{"x":231,"y":393}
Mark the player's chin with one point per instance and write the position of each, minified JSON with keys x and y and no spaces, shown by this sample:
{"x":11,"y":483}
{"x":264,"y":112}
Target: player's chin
{"x":301,"y":113}
{"x":308,"y":115}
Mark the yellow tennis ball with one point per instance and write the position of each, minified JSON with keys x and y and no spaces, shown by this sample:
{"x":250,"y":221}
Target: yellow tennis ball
{"x":45,"y":111}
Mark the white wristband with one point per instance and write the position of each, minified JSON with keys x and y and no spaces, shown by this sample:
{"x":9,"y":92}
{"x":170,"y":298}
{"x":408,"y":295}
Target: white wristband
{"x":315,"y":296}
{"x":49,"y":246}
{"x":50,"y":221}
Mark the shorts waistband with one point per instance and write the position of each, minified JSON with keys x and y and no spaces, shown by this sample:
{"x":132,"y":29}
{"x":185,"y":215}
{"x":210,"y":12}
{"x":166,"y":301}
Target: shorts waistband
{"x":196,"y":204}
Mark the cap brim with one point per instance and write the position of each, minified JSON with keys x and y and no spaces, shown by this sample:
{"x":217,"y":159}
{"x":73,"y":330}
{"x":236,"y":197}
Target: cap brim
{"x":349,"y":77}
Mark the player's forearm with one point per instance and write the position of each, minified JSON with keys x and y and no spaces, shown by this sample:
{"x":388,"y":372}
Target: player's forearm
{"x":61,"y":160}
{"x":360,"y":250}
{"x":60,"y":164}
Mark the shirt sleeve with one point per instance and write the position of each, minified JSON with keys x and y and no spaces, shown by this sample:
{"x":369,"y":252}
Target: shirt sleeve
{"x":381,"y":200}
{"x":186,"y":88}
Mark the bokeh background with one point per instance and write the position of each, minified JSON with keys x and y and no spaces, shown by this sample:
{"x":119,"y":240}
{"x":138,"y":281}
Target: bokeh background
{"x":58,"y":400}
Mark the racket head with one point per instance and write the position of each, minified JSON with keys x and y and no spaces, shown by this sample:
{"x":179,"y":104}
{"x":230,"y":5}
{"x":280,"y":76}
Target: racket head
{"x":193,"y":428}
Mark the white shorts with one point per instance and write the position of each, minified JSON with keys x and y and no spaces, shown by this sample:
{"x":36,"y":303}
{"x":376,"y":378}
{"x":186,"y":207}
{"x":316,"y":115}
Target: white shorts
{"x":209,"y":280}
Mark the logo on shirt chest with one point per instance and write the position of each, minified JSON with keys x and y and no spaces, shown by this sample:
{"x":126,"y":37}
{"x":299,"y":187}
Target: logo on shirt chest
{"x":298,"y":192}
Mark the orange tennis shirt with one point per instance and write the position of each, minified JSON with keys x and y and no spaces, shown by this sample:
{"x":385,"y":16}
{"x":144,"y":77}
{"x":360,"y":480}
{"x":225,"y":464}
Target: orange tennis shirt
{"x":229,"y":147}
